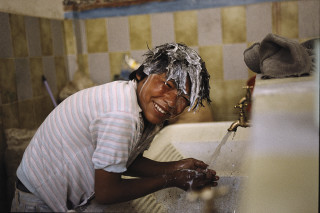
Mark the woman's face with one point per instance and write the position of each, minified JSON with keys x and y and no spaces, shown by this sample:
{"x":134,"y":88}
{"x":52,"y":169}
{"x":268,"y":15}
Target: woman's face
{"x":159,"y":99}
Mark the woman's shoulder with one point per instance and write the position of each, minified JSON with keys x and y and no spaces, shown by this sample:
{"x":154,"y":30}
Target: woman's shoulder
{"x":123,"y":97}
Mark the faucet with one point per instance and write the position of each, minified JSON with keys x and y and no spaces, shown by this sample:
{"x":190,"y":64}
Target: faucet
{"x":243,"y":103}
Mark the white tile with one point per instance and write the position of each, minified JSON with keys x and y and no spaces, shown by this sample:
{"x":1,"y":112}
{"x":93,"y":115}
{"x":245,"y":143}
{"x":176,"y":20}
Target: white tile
{"x":309,"y":19}
{"x":5,"y":36}
{"x":259,"y":21}
{"x":83,"y":37}
{"x":118,"y":34}
{"x":209,"y":27}
{"x":233,"y":62}
{"x":99,"y":67}
{"x":162,"y":28}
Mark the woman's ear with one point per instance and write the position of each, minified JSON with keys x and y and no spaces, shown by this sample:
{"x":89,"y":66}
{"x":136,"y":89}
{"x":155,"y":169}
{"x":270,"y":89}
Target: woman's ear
{"x":138,"y":76}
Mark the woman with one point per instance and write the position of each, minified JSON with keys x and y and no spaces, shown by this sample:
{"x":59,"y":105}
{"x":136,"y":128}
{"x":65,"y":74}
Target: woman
{"x":99,"y":134}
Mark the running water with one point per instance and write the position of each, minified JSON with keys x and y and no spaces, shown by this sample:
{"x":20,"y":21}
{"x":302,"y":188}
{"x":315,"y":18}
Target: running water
{"x":218,"y":149}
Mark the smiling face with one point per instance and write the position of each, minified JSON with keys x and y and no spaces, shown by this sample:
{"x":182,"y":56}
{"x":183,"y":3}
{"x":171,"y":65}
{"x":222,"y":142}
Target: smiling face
{"x":159,"y":99}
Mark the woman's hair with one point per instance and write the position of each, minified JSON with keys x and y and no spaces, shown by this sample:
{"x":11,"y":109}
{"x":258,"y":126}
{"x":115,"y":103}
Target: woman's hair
{"x":179,"y":62}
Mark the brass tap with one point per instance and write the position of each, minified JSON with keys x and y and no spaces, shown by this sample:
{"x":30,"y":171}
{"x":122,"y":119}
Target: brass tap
{"x":243,"y":103}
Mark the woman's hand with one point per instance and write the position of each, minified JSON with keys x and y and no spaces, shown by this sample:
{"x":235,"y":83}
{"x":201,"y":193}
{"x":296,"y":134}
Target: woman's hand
{"x":185,"y":174}
{"x":190,"y":163}
{"x":187,"y":179}
{"x":191,"y":174}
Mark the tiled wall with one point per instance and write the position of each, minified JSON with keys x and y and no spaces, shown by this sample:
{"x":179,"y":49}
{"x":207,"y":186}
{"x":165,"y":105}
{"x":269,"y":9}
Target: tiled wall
{"x":31,"y":47}
{"x":220,"y":35}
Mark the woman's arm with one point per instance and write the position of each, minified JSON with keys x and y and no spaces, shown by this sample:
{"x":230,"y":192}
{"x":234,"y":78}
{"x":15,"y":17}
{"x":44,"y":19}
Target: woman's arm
{"x":144,"y":167}
{"x":111,"y":188}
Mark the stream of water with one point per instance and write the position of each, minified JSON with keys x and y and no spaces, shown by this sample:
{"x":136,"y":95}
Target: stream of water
{"x":218,"y":149}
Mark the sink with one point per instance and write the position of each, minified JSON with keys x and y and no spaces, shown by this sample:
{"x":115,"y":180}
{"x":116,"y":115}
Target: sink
{"x":197,"y":140}
{"x":201,"y":141}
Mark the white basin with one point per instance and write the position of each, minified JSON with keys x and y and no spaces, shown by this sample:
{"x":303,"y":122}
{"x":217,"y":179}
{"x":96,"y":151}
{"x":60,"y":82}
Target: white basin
{"x":198,"y":140}
{"x":201,"y":141}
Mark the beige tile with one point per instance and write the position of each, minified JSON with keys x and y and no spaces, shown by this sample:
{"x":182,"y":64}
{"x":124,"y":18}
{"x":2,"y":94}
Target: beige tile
{"x":46,"y":37}
{"x":36,"y":69}
{"x":118,"y":34}
{"x":83,"y":39}
{"x":23,"y":79}
{"x":18,"y":35}
{"x":234,"y":24}
{"x":162,"y":28}
{"x":27,"y":114}
{"x":58,"y":37}
{"x":42,"y":106}
{"x":186,"y":27}
{"x":69,"y":37}
{"x":219,"y":100}
{"x":72,"y":65}
{"x":209,"y":26}
{"x":116,"y":60}
{"x":225,"y":95}
{"x":5,"y":36}
{"x":285,"y":19}
{"x":10,"y":115}
{"x":78,"y":35}
{"x":203,"y":114}
{"x":309,"y":16}
{"x":61,"y":72}
{"x":259,"y":21}
{"x":213,"y":57}
{"x":8,"y":85}
{"x":96,"y":32}
{"x":33,"y":36}
{"x":140,"y":32}
{"x":83,"y":63}
{"x":49,"y":71}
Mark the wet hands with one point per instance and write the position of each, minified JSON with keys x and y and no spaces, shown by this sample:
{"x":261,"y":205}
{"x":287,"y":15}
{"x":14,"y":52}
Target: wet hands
{"x":190,"y":163}
{"x":192,"y":174}
{"x":187,"y":179}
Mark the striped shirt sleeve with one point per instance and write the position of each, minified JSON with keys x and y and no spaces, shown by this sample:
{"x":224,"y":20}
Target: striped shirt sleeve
{"x":114,"y":133}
